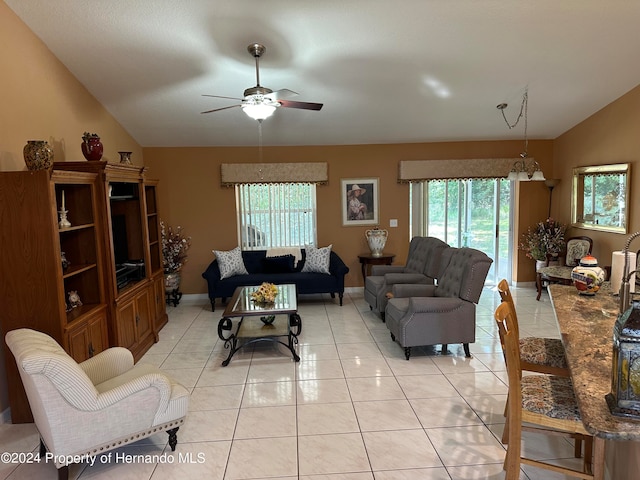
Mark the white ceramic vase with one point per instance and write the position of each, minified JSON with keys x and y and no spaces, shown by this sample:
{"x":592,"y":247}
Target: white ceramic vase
{"x":376,"y":239}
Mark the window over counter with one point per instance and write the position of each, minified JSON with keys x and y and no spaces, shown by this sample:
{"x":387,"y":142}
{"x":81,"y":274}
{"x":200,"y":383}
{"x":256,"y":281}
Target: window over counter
{"x":600,"y":197}
{"x":274,"y":215}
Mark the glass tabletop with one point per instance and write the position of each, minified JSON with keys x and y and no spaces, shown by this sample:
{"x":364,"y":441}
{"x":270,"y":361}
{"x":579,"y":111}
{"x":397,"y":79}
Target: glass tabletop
{"x":242,"y":304}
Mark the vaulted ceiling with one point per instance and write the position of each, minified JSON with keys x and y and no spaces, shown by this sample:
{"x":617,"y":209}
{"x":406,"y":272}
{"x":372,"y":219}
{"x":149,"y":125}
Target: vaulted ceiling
{"x":386,"y":71}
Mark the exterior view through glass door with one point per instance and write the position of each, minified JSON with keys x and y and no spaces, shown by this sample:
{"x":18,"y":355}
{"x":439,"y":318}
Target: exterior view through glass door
{"x":474,"y":213}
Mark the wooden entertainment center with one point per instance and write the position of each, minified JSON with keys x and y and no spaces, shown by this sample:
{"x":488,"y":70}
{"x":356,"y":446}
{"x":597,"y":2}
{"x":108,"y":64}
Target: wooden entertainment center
{"x":113,"y":261}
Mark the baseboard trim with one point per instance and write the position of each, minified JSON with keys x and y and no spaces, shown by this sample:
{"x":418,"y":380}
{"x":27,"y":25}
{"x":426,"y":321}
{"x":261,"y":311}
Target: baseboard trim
{"x":195,"y":298}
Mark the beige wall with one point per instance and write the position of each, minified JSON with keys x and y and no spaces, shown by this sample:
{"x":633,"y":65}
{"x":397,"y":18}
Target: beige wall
{"x":191,"y":195}
{"x":41,"y":100}
{"x":609,"y":136}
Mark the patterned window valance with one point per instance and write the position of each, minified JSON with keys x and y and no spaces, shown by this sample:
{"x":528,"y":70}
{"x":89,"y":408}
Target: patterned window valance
{"x":307,"y":172}
{"x":417,"y":170}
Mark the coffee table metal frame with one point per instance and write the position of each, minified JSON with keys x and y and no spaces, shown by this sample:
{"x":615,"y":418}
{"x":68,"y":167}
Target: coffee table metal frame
{"x":258,"y":322}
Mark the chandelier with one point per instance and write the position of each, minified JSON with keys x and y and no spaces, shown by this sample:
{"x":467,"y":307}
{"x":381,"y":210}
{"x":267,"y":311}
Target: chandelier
{"x":526,"y":168}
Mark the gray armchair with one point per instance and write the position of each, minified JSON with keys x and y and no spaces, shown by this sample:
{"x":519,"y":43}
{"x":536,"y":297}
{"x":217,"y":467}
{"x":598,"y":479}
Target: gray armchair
{"x":444,"y":313}
{"x":423,"y":266}
{"x":88,"y":408}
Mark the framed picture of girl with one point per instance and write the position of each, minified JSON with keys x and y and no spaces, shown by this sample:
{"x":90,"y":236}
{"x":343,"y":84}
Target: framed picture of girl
{"x":359,"y":201}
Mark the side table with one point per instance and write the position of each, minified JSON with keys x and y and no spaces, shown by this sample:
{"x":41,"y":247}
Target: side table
{"x":173,"y":296}
{"x":367,"y":259}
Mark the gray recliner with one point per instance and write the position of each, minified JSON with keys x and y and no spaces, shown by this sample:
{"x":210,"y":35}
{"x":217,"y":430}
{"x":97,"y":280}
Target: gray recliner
{"x":422,"y":314}
{"x":423,"y":266}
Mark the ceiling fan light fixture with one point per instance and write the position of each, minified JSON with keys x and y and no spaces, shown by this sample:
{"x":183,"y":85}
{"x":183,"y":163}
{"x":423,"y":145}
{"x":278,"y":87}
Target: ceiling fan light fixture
{"x":259,"y":111}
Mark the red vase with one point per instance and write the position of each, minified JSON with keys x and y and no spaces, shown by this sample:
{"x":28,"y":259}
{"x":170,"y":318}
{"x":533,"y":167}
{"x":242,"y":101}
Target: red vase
{"x":92,"y":148}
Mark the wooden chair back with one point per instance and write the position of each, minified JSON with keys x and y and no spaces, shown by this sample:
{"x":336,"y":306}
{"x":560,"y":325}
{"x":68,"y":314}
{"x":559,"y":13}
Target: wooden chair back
{"x":506,"y":297}
{"x":516,"y":416}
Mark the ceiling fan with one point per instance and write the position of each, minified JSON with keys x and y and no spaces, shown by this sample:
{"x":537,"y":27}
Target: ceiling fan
{"x":260,"y":102}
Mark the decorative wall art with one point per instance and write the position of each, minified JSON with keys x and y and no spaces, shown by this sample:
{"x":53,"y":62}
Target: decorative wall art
{"x":359,"y":201}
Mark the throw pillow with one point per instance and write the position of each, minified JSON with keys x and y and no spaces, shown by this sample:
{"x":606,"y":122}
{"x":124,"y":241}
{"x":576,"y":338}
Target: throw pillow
{"x":230,"y":263}
{"x":317,"y":259}
{"x":279,"y":264}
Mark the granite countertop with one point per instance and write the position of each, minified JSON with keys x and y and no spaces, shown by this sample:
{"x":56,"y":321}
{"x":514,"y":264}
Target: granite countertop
{"x":586,"y":325}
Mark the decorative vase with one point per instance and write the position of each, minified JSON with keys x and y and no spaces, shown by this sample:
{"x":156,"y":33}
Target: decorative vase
{"x":91,"y":146}
{"x":171,"y":282}
{"x":588,"y":276}
{"x":543,"y":263}
{"x":38,"y":155}
{"x":377,"y":239}
{"x":125,"y":157}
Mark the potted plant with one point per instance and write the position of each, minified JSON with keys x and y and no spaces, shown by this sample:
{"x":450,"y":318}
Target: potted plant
{"x":174,"y":254}
{"x":543,"y":240}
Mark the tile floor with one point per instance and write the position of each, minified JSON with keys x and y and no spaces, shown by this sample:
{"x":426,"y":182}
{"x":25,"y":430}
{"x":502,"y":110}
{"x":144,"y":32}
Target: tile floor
{"x":352,"y":409}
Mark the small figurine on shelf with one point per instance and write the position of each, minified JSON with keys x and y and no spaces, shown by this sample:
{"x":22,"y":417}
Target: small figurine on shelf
{"x":74,"y":299}
{"x":65,"y":262}
{"x":63,"y":223}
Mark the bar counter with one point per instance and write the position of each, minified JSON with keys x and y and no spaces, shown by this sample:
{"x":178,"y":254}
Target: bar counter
{"x":586,"y":325}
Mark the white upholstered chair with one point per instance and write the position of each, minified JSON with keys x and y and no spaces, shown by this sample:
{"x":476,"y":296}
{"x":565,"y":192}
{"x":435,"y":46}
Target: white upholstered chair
{"x":95,"y":406}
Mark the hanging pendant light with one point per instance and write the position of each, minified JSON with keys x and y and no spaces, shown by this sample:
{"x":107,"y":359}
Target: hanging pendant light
{"x":527,"y":168}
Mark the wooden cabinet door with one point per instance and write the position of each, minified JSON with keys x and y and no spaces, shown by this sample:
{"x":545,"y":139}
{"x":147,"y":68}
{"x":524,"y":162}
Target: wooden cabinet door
{"x":88,"y":338}
{"x":143,"y":314}
{"x":160,"y":303}
{"x":78,"y":339}
{"x":97,"y":329}
{"x":126,"y":318}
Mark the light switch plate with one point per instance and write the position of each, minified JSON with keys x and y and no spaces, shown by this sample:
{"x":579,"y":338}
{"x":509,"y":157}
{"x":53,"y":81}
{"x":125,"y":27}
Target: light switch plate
{"x":393,"y":222}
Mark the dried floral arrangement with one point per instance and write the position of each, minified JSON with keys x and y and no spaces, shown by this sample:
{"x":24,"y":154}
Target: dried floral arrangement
{"x":174,"y":248}
{"x":546,"y":238}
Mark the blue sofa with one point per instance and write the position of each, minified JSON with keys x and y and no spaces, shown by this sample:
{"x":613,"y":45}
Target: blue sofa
{"x":306,"y":283}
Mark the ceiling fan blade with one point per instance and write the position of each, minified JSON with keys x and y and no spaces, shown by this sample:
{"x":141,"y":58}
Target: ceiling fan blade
{"x":282,"y":93}
{"x":218,"y":109}
{"x":220,"y":96}
{"x":302,"y":105}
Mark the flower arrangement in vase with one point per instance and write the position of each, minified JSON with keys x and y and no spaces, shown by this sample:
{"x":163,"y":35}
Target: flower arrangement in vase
{"x":266,"y":293}
{"x":174,"y":248}
{"x":546,"y":238}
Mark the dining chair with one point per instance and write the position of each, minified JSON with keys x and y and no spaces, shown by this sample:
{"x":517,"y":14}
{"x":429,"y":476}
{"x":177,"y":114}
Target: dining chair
{"x":538,"y":403}
{"x":537,"y":354}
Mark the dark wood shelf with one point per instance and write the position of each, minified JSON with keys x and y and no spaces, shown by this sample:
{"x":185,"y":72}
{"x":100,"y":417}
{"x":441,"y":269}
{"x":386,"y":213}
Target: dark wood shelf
{"x":76,"y":269}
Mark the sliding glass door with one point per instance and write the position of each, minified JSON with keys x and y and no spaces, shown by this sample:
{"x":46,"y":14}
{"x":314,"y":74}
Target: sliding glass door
{"x":474,"y":213}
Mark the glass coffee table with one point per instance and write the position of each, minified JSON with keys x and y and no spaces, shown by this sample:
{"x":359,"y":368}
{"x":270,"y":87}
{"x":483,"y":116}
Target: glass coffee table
{"x":245,"y":322}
